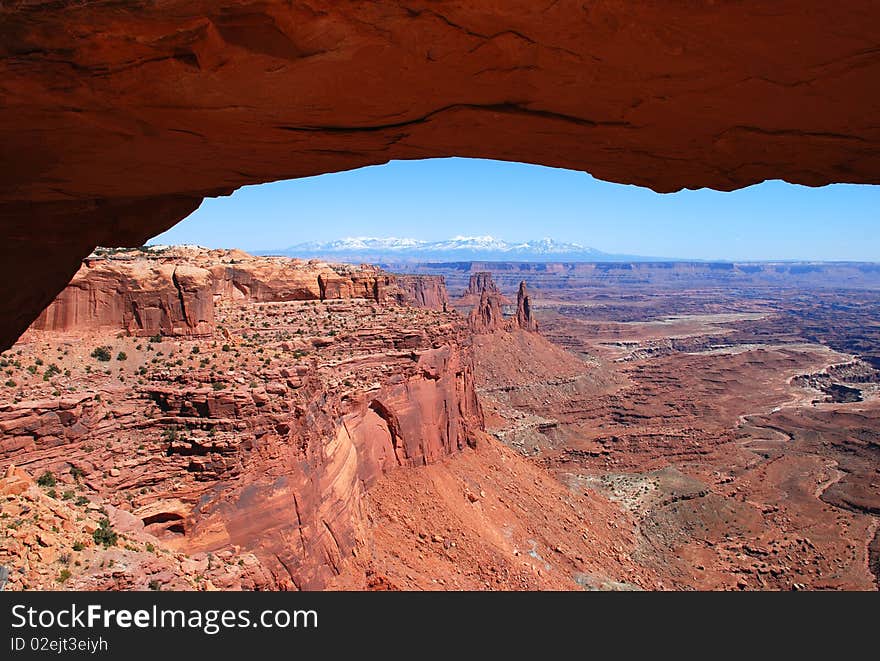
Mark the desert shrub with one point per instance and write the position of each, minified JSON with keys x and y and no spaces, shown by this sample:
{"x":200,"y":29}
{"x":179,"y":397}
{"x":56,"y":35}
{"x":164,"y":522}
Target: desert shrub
{"x":105,"y":535}
{"x":102,"y":354}
{"x":47,"y":479}
{"x":121,"y":356}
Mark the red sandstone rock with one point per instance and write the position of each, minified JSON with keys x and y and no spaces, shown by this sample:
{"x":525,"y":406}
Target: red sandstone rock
{"x":524,"y":318}
{"x":172,"y":291}
{"x":486,"y":316}
{"x":424,"y":291}
{"x":142,"y":297}
{"x":15,"y":481}
{"x":204,"y":447}
{"x":478,"y":283}
{"x":118,"y":119}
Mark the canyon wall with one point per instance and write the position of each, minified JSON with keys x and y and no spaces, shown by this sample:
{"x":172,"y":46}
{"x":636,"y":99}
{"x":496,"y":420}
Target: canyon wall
{"x":138,"y":297}
{"x":224,"y":450}
{"x":419,"y":291}
{"x":282,"y":474}
{"x":172,"y":292}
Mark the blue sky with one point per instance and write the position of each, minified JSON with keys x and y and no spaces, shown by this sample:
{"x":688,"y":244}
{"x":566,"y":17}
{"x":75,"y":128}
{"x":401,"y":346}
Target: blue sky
{"x":440,"y":198}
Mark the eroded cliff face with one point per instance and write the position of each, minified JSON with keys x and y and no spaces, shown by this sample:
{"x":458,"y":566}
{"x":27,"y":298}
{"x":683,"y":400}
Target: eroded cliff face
{"x":118,"y":119}
{"x":173,"y":291}
{"x":140,"y":297}
{"x":259,"y":451}
{"x":420,"y":291}
{"x":524,"y":318}
{"x":487,"y":314}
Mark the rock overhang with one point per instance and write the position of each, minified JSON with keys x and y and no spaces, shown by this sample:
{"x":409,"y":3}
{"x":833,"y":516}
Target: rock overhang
{"x":118,"y":119}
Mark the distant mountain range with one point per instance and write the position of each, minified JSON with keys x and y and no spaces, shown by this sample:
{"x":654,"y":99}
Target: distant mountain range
{"x":456,"y":249}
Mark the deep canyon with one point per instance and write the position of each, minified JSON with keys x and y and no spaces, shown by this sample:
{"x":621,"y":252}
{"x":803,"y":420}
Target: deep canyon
{"x":191,"y":419}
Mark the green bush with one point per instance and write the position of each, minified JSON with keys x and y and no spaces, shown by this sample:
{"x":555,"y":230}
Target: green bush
{"x":156,"y":339}
{"x":105,"y":534}
{"x":102,"y":354}
{"x":46,"y":479}
{"x":121,"y":356}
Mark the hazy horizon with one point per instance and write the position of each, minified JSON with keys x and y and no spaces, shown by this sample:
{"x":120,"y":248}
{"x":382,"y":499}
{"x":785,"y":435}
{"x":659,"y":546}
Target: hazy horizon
{"x":438,"y":199}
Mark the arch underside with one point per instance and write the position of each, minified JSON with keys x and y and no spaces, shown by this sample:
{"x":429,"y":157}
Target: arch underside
{"x":118,"y":118}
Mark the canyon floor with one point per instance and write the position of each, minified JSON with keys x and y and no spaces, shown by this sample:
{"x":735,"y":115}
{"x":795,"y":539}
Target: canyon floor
{"x":320,"y":427}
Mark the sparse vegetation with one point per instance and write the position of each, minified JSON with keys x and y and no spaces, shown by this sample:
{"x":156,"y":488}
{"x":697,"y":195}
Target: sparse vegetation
{"x":105,"y":535}
{"x":121,"y":356}
{"x":102,"y":354}
{"x":47,"y":479}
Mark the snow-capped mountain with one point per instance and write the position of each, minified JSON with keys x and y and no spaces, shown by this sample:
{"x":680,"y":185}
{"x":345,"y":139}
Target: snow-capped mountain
{"x":458,"y":248}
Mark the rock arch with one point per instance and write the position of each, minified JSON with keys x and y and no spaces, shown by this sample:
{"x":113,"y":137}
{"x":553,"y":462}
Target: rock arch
{"x":116,"y":119}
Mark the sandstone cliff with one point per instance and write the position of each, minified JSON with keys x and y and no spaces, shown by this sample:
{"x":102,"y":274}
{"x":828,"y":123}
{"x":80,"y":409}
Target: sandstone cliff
{"x":140,"y":297}
{"x":479,"y":282}
{"x":263,"y":450}
{"x":172,"y":292}
{"x":487,"y":315}
{"x":424,"y":291}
